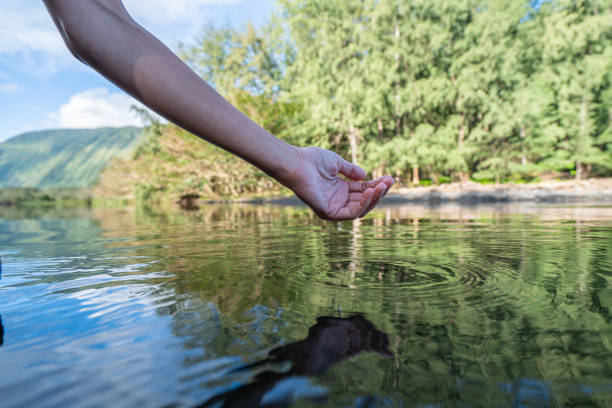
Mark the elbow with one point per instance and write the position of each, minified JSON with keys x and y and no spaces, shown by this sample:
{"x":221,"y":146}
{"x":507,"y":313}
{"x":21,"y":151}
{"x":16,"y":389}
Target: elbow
{"x":79,"y":20}
{"x":66,"y":16}
{"x":73,"y":46}
{"x":76,"y":46}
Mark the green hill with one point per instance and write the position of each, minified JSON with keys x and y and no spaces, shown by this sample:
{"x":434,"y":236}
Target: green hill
{"x":65,"y":158}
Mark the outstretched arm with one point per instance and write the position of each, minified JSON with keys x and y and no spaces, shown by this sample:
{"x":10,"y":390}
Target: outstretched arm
{"x":102,"y":34}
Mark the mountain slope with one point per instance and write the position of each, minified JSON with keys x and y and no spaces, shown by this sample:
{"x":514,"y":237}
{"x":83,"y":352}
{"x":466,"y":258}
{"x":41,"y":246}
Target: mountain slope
{"x":64,"y":157}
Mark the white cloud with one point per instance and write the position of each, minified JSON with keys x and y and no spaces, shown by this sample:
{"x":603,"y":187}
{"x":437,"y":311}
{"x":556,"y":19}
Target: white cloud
{"x":10,"y":87}
{"x":27,"y":25}
{"x":174,"y":21}
{"x":162,"y":12}
{"x":29,"y":39}
{"x":96,"y":108}
{"x":31,"y":42}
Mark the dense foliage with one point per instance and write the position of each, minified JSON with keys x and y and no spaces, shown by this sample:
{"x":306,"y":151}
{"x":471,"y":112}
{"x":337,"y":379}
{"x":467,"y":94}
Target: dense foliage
{"x":484,"y":88}
{"x":65,"y":158}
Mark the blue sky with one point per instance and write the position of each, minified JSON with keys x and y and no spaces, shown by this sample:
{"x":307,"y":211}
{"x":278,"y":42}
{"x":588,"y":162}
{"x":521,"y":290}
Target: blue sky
{"x":42,"y":86}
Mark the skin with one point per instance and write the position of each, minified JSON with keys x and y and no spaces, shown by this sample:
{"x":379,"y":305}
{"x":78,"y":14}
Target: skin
{"x":101,"y":34}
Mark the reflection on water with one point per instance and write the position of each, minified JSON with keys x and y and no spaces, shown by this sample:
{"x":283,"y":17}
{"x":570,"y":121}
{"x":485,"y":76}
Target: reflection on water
{"x":329,"y":341}
{"x":1,"y":332}
{"x":490,"y":306}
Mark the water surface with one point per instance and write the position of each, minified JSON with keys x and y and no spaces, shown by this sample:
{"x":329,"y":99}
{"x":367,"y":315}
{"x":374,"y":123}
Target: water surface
{"x":253,"y":305}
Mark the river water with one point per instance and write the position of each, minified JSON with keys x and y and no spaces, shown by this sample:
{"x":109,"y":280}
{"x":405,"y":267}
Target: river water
{"x":268,"y":306}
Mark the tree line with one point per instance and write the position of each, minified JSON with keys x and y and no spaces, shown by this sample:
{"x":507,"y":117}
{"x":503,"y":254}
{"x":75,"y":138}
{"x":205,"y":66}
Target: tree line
{"x":482,"y":89}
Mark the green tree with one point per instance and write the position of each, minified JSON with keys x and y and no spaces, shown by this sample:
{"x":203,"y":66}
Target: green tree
{"x":577,"y":61}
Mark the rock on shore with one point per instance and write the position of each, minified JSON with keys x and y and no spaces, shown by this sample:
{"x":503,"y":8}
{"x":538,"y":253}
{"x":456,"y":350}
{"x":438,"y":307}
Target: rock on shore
{"x":591,"y":190}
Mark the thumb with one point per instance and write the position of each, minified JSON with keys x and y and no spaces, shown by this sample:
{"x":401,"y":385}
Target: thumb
{"x":351,"y":170}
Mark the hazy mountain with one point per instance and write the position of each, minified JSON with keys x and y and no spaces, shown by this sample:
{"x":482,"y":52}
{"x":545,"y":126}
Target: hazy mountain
{"x":64,"y":157}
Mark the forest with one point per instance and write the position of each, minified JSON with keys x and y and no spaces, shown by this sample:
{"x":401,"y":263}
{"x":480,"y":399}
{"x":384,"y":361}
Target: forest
{"x":488,"y":90}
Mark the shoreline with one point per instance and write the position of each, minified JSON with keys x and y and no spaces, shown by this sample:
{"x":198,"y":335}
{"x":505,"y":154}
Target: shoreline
{"x":596,"y":190}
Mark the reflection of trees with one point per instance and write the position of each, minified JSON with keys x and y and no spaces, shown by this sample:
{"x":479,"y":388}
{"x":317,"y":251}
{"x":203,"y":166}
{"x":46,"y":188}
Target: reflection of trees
{"x":488,"y":298}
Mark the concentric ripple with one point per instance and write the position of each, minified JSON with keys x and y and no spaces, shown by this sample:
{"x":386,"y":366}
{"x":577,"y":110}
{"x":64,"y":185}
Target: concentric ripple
{"x":152,"y":309}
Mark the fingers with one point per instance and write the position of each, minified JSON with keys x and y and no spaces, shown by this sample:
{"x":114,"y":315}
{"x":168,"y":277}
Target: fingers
{"x":354,"y":197}
{"x":361,"y":186}
{"x":379,"y":192}
{"x":354,"y":209}
{"x":388,"y":182}
{"x":351,"y":170}
{"x":363,"y":197}
{"x":366,"y":200}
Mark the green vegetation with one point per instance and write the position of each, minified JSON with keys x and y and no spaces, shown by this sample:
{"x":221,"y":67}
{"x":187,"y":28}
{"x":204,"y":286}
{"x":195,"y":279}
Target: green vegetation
{"x":489,"y":89}
{"x":67,"y":159}
{"x":52,"y":197}
{"x":174,"y":166}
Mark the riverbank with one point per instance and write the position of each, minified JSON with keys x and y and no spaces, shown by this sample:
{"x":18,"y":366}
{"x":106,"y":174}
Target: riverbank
{"x":469,"y":193}
{"x":597,"y":190}
{"x":584,"y":191}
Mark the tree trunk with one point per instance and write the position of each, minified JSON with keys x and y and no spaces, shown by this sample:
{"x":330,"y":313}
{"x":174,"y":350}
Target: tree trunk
{"x":415,"y":169}
{"x":461,"y":133}
{"x":415,"y":175}
{"x":587,"y":171}
{"x":434,"y":177}
{"x":581,"y":138}
{"x":523,"y":157}
{"x":398,"y":178}
{"x":352,"y":136}
{"x":462,"y":174}
{"x":398,"y":119}
{"x":379,"y":124}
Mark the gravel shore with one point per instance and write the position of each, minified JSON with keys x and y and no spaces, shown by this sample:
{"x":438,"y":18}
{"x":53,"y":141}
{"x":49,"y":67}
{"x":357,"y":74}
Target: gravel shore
{"x":584,"y":191}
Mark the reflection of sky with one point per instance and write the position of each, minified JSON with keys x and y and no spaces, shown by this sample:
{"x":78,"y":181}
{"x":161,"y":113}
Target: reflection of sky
{"x":75,"y":334}
{"x":109,"y":341}
{"x":85,"y":325}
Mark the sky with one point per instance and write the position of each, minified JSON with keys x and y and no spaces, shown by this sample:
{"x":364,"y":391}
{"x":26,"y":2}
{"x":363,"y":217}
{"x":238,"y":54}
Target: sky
{"x":42,"y":86}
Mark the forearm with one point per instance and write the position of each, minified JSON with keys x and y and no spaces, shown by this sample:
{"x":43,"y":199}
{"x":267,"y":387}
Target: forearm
{"x":101,"y":34}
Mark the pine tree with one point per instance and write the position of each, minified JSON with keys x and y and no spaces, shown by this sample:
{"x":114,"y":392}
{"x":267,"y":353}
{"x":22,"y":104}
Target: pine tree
{"x":578,"y":38}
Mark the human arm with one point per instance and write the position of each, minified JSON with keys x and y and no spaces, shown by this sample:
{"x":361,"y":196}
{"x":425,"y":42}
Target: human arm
{"x":102,"y":34}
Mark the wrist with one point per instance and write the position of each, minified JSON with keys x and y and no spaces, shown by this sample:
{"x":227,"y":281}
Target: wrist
{"x":287,"y":164}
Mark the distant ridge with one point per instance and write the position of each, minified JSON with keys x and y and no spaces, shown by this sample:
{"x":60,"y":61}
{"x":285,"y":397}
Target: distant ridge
{"x":63,"y":158}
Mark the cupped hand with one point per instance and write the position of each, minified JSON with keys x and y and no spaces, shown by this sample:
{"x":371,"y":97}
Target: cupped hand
{"x":316,"y":181}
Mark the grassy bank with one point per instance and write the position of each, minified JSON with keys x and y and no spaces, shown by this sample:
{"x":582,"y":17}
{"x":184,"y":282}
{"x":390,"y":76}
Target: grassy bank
{"x":173,"y":166}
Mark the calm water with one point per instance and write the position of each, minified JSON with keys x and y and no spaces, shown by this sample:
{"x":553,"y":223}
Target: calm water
{"x":248,"y":306}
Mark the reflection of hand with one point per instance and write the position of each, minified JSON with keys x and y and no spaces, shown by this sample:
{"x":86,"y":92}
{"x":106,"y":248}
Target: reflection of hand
{"x":315,"y":181}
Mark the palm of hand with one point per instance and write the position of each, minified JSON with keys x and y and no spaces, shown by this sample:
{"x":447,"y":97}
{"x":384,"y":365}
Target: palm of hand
{"x":315,"y":181}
